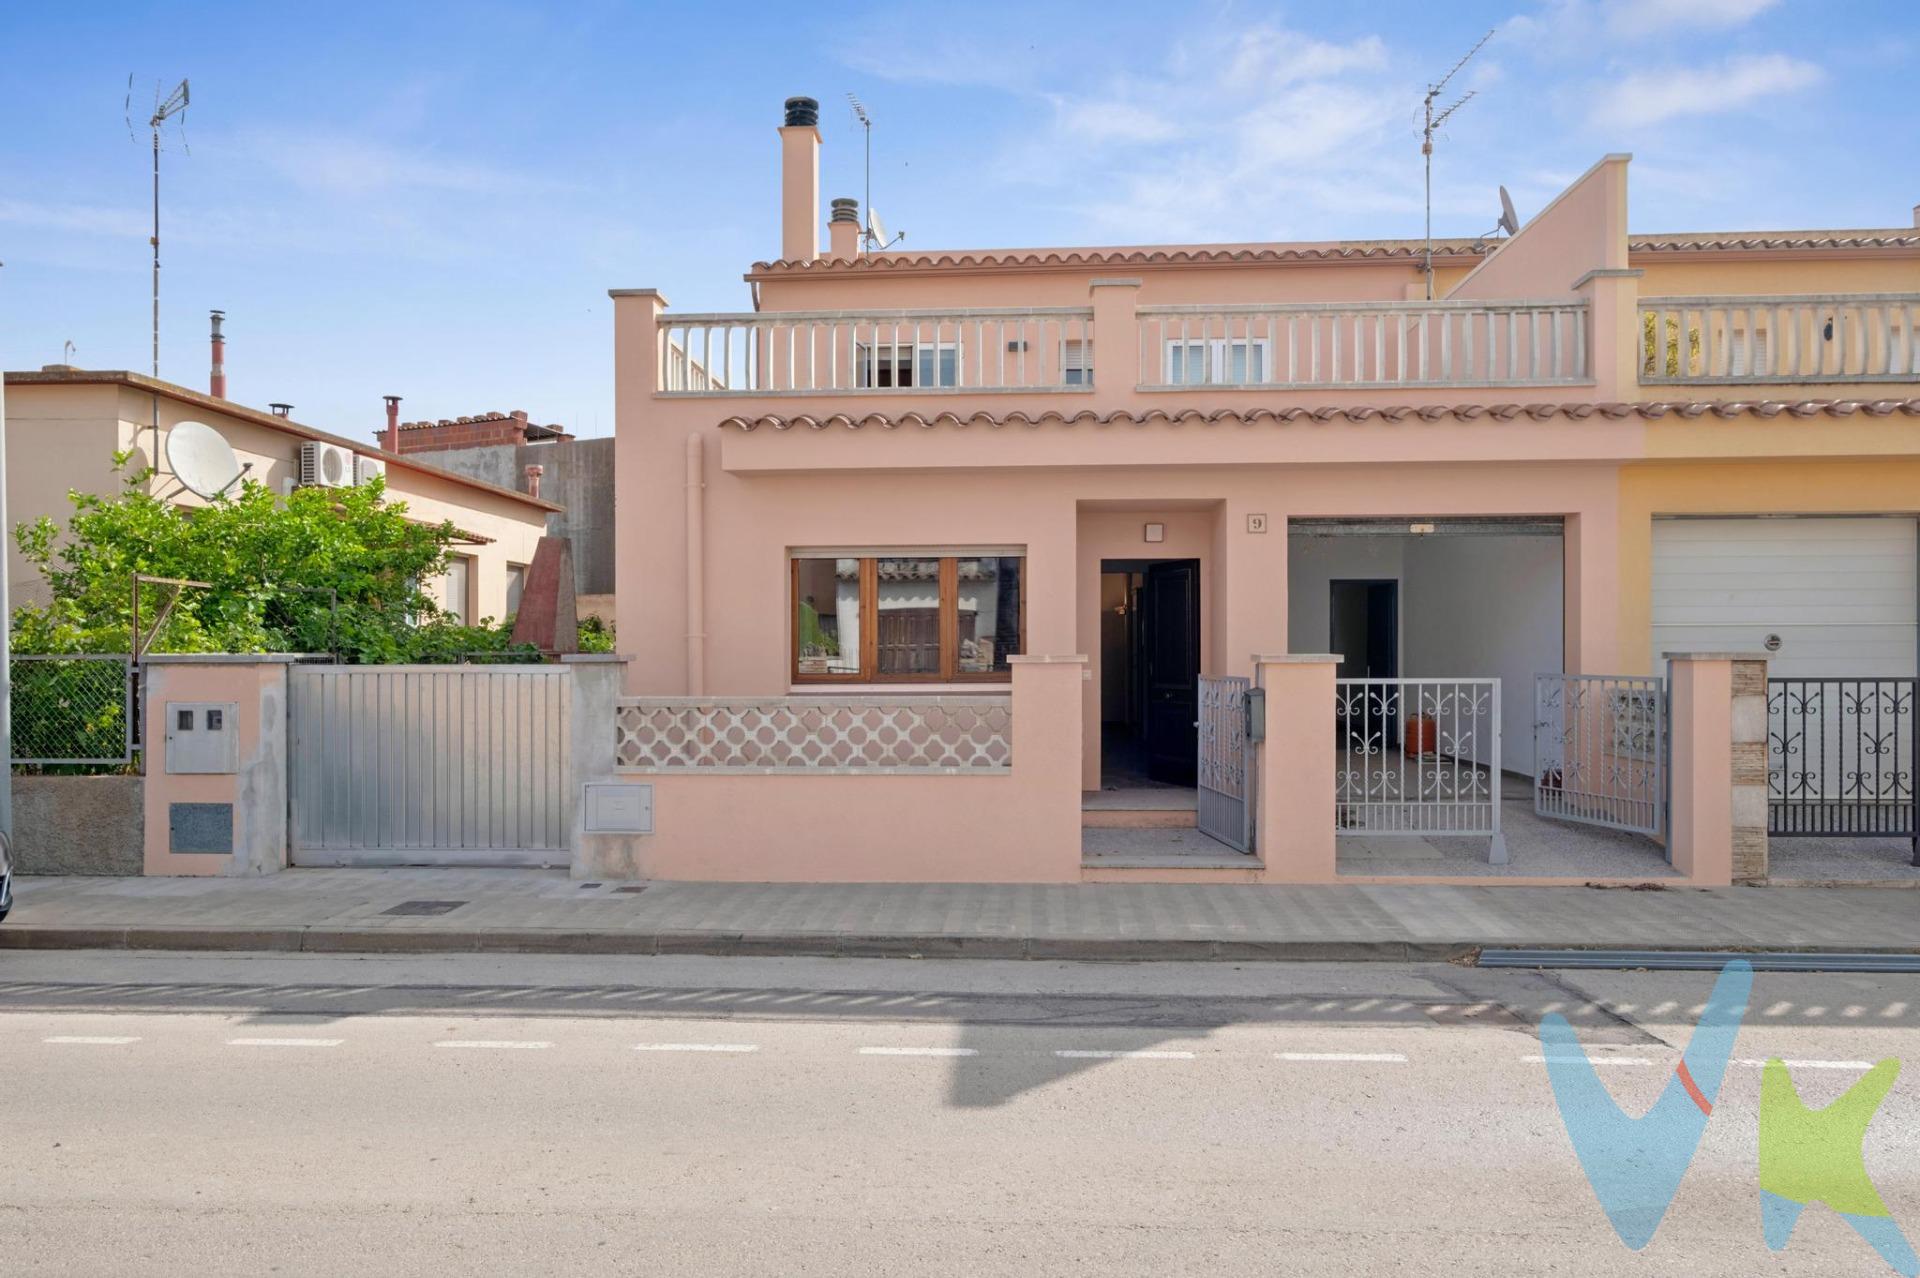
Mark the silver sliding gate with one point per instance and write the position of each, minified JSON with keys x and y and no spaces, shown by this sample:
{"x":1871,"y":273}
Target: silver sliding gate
{"x":1600,"y":751}
{"x":1226,"y":764}
{"x":430,"y":765}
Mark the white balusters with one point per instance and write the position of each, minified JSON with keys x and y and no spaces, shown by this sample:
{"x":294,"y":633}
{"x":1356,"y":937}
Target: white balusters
{"x":1857,"y":337}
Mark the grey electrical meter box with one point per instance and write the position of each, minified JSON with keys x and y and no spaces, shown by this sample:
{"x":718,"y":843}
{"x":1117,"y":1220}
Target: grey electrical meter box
{"x":202,"y":737}
{"x":618,"y":808}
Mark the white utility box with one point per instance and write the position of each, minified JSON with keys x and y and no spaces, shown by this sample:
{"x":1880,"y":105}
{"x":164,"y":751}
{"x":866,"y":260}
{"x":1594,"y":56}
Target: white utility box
{"x":202,"y":737}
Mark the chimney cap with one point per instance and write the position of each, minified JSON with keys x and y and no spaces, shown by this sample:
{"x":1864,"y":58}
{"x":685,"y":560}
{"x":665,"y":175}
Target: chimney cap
{"x":802,"y":111}
{"x":281,"y":410}
{"x":391,"y":399}
{"x":846,"y":211}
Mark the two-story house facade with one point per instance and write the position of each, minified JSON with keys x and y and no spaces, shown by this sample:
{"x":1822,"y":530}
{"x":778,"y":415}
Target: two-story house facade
{"x":1122,"y":477}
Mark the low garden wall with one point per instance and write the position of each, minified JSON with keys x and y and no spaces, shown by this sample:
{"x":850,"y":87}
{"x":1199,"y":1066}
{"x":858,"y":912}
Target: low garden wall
{"x":79,"y":825}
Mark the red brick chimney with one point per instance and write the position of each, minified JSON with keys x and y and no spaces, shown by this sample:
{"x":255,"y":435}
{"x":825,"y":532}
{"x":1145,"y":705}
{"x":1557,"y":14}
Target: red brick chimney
{"x":534,"y":471}
{"x":392,"y":441}
{"x":217,"y":379}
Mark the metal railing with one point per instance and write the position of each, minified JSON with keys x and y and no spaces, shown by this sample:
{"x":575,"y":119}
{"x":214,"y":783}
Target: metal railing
{"x":1840,"y":758}
{"x":1600,"y":750}
{"x":73,"y":709}
{"x":890,"y":352}
{"x":815,"y":734}
{"x":1419,"y":757}
{"x":1352,"y":345}
{"x":1837,"y":337}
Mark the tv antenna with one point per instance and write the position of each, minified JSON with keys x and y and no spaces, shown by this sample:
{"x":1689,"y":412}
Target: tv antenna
{"x":1434,"y":121}
{"x":873,"y":233}
{"x":166,"y":106}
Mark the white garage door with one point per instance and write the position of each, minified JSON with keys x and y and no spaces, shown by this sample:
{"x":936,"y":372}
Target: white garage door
{"x":1839,"y":593}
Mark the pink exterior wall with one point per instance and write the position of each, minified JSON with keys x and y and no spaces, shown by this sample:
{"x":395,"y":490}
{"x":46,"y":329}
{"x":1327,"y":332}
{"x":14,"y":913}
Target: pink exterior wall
{"x":257,"y":789}
{"x":1020,"y":827}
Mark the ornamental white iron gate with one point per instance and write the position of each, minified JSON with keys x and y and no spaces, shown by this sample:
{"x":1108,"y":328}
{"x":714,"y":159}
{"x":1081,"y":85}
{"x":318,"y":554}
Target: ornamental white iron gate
{"x":430,"y":765}
{"x":1600,"y":751}
{"x":1419,"y":757}
{"x":1226,"y":761}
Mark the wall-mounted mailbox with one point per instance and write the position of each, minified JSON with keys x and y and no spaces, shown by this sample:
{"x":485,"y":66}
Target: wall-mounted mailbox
{"x":618,"y":808}
{"x":202,"y":736}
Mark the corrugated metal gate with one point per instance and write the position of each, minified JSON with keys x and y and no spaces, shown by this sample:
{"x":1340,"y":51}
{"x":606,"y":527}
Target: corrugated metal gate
{"x":430,"y":765}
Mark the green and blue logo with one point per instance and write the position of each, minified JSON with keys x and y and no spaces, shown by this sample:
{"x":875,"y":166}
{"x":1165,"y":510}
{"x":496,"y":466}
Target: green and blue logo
{"x":1807,"y":1156}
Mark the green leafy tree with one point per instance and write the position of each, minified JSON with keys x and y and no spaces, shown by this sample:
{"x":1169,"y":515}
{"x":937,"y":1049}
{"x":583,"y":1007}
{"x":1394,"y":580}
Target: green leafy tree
{"x":274,"y":566}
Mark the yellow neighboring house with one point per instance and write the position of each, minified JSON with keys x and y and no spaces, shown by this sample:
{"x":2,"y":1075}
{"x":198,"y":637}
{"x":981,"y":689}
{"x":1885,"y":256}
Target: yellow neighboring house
{"x":63,"y":426}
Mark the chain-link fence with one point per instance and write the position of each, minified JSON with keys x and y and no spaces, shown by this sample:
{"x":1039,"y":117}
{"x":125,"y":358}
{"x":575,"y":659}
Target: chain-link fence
{"x":72,"y":709}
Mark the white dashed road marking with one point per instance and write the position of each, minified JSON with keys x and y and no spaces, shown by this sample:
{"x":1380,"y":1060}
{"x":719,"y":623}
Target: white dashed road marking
{"x":1345,"y":1058}
{"x":1088,"y":1054}
{"x":1794,"y":1064}
{"x":918,"y":1051}
{"x":1596,"y":1060}
{"x":504,"y":1044}
{"x":285,"y":1042}
{"x":95,"y":1040}
{"x":696,"y":1047}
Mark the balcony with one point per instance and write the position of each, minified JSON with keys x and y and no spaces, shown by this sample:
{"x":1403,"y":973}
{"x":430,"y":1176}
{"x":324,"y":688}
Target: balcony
{"x":1334,"y":346}
{"x":1363,"y":345}
{"x":884,"y":352}
{"x":1784,"y":340}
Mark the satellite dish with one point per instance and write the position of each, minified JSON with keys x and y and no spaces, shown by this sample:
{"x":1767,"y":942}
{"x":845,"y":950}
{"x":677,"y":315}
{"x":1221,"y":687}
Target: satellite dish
{"x":1509,"y":220}
{"x":201,"y":458}
{"x":876,"y":228}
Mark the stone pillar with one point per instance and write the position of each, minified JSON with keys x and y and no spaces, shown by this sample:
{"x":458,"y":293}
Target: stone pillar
{"x":1295,"y":769}
{"x":1719,"y":760}
{"x":597,"y":679}
{"x":1046,"y":758}
{"x":1750,"y":770}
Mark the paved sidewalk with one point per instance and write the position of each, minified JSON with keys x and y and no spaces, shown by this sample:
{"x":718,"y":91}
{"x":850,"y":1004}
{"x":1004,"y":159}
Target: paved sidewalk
{"x":535,"y":911}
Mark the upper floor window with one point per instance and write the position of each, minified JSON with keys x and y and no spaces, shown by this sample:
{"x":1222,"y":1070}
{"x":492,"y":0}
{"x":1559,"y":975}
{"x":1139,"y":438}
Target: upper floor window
{"x":906,"y":364}
{"x":1216,"y":361}
{"x":905,"y":617}
{"x":1076,"y":363}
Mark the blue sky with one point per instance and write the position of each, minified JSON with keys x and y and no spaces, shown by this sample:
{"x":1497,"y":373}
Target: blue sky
{"x":431,"y":200}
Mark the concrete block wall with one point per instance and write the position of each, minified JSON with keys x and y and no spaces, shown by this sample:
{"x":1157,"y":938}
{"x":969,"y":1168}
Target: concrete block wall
{"x":79,"y":825}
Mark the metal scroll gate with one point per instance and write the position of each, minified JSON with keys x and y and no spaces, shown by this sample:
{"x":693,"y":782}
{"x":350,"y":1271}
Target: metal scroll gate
{"x":1419,"y":758}
{"x":1600,"y":751}
{"x":1226,"y":767}
{"x":1840,"y":759}
{"x":430,"y":765}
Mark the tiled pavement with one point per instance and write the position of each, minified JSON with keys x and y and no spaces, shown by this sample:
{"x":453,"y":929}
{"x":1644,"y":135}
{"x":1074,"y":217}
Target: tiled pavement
{"x":544,"y":911}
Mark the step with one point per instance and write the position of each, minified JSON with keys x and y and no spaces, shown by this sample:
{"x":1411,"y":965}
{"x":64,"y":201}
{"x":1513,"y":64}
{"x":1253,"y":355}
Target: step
{"x":1137,"y":819}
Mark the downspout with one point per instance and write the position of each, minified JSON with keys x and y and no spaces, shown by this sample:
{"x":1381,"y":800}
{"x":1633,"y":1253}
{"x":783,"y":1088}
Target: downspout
{"x":696,"y":567}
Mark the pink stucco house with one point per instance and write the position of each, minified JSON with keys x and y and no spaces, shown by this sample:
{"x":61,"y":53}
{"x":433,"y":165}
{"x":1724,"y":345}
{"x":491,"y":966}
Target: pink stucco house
{"x":1249,"y":562}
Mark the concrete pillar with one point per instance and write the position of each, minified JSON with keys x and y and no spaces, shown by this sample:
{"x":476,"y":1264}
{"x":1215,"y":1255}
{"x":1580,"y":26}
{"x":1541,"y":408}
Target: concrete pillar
{"x":1295,"y":767}
{"x":1046,"y":759}
{"x":650,"y":579}
{"x":597,"y":679}
{"x":1719,"y":783}
{"x":1613,"y":325}
{"x":190,"y":814}
{"x":1116,"y":336}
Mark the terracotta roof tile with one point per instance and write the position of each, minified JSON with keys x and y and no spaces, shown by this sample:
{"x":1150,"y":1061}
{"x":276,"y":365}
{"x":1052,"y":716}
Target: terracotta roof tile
{"x":1651,"y":410}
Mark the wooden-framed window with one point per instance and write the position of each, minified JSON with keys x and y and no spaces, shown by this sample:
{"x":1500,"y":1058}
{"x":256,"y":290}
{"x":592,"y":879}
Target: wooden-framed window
{"x":906,"y":616}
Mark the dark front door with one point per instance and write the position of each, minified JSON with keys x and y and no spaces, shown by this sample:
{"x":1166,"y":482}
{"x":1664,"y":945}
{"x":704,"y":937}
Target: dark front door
{"x":1365,"y":628}
{"x":1170,"y":639}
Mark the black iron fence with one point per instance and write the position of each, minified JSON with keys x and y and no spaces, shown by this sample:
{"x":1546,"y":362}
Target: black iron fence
{"x":1840,"y":758}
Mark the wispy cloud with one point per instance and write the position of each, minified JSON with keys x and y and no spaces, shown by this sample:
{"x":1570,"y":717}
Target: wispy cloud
{"x":72,"y":219}
{"x":344,"y":165}
{"x":1644,"y":17}
{"x":1654,"y":96}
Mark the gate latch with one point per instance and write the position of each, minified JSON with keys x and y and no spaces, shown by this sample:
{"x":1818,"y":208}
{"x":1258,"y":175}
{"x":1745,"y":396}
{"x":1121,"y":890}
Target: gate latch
{"x":1256,"y":714}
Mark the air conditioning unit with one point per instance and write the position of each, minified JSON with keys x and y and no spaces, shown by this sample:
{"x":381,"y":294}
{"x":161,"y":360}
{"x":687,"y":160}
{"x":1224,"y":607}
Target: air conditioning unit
{"x":325,"y":465}
{"x":365,"y":468}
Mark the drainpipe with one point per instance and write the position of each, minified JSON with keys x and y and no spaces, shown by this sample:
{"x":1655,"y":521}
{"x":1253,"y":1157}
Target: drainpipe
{"x":217,"y":379}
{"x":696,"y":568}
{"x":392,"y":442}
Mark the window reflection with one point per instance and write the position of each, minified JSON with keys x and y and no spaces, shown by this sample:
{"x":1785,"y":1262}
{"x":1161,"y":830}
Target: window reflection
{"x":827,"y":616}
{"x":989,"y":606}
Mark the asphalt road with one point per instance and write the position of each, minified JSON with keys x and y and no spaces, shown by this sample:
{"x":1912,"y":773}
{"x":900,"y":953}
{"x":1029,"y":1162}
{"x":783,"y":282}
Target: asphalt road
{"x":167,"y":1114}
